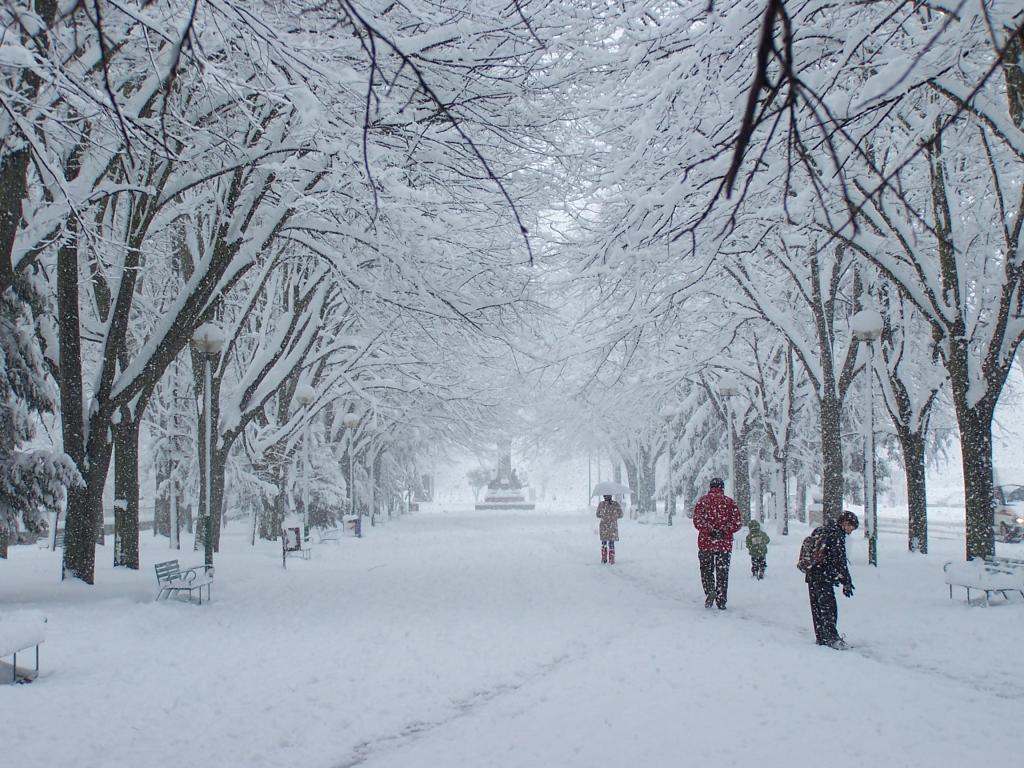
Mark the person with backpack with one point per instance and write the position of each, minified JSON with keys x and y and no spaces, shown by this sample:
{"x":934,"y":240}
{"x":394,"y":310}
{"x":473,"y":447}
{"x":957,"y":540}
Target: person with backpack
{"x":716,"y":518}
{"x":823,"y":561}
{"x":757,"y":546}
{"x":610,"y":512}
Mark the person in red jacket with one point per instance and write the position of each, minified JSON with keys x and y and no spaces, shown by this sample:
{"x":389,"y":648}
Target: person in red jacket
{"x":716,"y":518}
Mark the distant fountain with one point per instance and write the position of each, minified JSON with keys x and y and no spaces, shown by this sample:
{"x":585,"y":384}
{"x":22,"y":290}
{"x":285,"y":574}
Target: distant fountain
{"x":506,"y":490}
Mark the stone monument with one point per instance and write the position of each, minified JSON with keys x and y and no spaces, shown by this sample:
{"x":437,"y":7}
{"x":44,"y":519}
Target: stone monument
{"x":506,"y":490}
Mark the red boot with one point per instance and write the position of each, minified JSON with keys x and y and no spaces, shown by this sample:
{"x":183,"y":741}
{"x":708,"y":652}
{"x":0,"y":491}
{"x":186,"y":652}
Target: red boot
{"x":611,"y":554}
{"x":604,"y":552}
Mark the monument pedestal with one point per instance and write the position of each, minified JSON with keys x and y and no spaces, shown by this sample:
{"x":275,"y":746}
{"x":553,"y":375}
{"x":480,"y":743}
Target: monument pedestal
{"x":505,"y":499}
{"x":505,"y":491}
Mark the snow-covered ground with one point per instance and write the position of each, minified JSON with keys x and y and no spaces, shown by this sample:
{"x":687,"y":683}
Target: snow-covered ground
{"x":469,"y":639}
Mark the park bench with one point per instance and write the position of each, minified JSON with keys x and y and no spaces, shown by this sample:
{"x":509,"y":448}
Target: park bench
{"x":294,"y":544}
{"x":172,"y":580}
{"x":332,"y":534}
{"x":993,"y":574}
{"x":349,"y":527}
{"x":19,"y":632}
{"x":44,"y":543}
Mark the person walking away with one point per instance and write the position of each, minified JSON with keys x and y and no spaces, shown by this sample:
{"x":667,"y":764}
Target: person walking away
{"x":757,"y":546}
{"x":716,"y":518}
{"x":610,"y":512}
{"x":828,"y":570}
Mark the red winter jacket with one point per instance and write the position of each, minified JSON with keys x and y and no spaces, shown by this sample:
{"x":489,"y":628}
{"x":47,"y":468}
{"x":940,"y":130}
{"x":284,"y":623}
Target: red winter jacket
{"x":716,"y":512}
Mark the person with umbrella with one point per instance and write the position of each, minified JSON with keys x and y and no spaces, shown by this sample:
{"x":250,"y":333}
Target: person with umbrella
{"x":609,"y":511}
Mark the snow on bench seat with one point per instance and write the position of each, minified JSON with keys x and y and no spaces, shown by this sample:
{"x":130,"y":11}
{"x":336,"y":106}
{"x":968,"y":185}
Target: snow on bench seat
{"x":985,"y":577}
{"x":18,"y":632}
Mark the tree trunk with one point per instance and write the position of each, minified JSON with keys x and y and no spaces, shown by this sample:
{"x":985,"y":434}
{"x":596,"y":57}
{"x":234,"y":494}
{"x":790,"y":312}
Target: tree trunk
{"x":634,"y":483}
{"x":14,"y":165}
{"x":162,"y":502}
{"x":85,"y":511}
{"x":646,"y":477}
{"x":265,"y":515}
{"x":756,"y":497}
{"x":913,"y":447}
{"x":280,"y":511}
{"x":378,"y":487}
{"x":13,"y":191}
{"x":690,"y":496}
{"x":778,"y":484}
{"x":220,"y":464}
{"x":741,"y":473}
{"x":126,"y":493}
{"x":92,"y":458}
{"x":801,"y":499}
{"x":976,"y":449}
{"x":670,"y":485}
{"x":346,"y":471}
{"x":831,"y":457}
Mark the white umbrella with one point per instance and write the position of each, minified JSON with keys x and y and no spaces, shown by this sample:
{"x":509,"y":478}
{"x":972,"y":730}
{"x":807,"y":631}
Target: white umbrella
{"x":609,"y":488}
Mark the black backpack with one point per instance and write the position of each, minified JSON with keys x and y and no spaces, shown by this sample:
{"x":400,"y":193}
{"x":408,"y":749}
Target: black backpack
{"x":812,"y":550}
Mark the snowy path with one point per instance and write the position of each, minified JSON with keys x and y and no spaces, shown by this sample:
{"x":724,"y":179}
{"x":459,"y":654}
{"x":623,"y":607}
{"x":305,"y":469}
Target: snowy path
{"x":469,"y":640}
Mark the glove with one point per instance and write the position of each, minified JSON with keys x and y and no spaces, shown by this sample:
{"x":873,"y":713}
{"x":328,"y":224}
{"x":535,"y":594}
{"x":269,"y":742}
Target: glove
{"x":847,"y":590}
{"x":716,"y":535}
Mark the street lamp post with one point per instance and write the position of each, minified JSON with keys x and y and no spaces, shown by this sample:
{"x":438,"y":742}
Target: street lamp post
{"x":866,"y":326}
{"x":304,"y":395}
{"x":729,"y":387}
{"x":209,"y":340}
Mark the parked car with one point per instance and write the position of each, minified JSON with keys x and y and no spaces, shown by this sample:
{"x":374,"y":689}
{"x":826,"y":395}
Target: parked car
{"x":1009,"y":513}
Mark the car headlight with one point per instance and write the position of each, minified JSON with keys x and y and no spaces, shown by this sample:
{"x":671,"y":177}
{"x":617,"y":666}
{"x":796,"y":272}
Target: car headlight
{"x":1020,"y":521}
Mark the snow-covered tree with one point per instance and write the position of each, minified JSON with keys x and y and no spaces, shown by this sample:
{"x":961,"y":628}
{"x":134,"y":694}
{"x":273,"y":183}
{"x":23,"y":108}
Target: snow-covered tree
{"x":32,"y":479}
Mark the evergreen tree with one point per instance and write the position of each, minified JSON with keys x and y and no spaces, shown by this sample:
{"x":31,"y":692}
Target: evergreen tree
{"x":32,"y":481}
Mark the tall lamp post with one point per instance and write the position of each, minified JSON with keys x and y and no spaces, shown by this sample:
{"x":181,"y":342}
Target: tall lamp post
{"x":304,"y":395}
{"x":208,"y":339}
{"x":866,"y":326}
{"x":729,"y":387}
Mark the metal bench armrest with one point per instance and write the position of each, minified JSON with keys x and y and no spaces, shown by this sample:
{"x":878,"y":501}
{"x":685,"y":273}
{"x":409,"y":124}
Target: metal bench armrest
{"x":191,"y":574}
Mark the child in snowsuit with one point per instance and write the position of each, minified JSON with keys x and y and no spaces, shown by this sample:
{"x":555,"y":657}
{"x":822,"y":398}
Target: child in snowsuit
{"x":757,"y":546}
{"x":610,"y":512}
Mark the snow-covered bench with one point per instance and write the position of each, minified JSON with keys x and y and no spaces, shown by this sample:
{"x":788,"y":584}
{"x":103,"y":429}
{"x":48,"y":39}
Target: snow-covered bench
{"x":294,"y":544}
{"x":349,"y":527}
{"x":173,"y":580}
{"x":332,"y":534}
{"x":993,"y":574}
{"x":57,"y":540}
{"x":19,"y":632}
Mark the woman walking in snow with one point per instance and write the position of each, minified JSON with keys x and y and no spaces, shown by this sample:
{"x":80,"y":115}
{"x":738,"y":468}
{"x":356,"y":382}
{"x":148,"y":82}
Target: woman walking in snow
{"x":609,"y":511}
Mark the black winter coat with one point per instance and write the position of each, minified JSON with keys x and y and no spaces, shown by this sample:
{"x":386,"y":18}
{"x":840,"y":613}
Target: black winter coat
{"x":832,"y":568}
